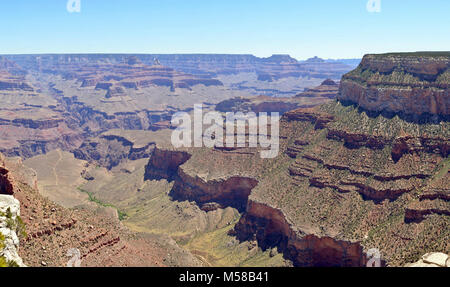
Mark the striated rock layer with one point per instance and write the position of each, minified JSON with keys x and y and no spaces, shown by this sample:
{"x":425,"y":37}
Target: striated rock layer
{"x":408,"y":83}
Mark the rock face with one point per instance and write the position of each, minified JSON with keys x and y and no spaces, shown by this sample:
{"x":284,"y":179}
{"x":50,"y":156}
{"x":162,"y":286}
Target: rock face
{"x":163,"y":164}
{"x":9,"y":240}
{"x":270,"y":227}
{"x":432,"y":259}
{"x":139,"y":76}
{"x":233,"y":191}
{"x":410,"y":83}
{"x":110,"y":150}
{"x":6,"y":187}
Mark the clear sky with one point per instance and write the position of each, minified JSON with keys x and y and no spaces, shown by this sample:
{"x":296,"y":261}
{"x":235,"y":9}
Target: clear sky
{"x":326,"y":28}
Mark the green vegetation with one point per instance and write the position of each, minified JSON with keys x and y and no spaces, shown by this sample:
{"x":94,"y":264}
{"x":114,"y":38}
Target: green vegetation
{"x":443,"y":169}
{"x":21,"y":227}
{"x":400,"y":76}
{"x":349,"y":119}
{"x":7,"y":263}
{"x":218,"y":248}
{"x":416,"y":54}
{"x":15,"y":224}
{"x":122,"y":215}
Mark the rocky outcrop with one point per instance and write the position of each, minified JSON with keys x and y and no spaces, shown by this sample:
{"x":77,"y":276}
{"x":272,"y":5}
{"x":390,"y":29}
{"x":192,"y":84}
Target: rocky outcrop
{"x":94,"y":121}
{"x":400,"y":145}
{"x":232,"y":191}
{"x":432,"y":259}
{"x":10,"y":227}
{"x":207,"y":194}
{"x":405,"y":83}
{"x":267,"y":225}
{"x":163,"y":164}
{"x":42,"y":124}
{"x":271,"y":228}
{"x":111,"y":150}
{"x":5,"y":182}
{"x":309,"y":98}
{"x":320,"y":167}
{"x":434,"y":200}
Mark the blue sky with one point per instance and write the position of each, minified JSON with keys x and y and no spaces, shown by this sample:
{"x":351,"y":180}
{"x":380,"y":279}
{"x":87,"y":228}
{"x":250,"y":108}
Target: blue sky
{"x":326,"y":28}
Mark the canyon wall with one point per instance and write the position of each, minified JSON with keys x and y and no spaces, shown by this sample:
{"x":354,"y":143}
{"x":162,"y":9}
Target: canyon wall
{"x":270,"y":228}
{"x":410,"y":83}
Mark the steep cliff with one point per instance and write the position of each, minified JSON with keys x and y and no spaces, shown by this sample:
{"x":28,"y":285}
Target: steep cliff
{"x":406,"y":83}
{"x":111,"y":150}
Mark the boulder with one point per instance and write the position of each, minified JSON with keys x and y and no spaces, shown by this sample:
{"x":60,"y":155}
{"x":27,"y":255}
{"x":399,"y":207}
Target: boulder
{"x":437,"y":258}
{"x":9,"y":212}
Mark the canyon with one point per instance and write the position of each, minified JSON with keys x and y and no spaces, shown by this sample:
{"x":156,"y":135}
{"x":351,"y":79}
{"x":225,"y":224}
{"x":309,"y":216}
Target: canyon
{"x":363,"y":160}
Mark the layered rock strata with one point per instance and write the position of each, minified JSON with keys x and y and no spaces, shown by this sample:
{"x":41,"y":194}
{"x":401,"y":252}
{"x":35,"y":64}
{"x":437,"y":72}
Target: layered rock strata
{"x":410,"y":83}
